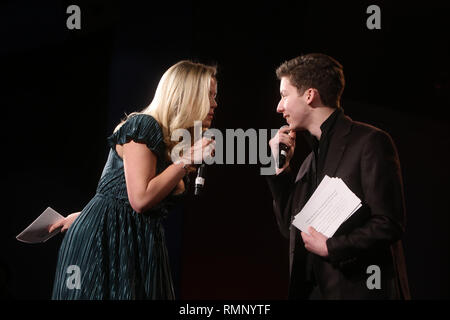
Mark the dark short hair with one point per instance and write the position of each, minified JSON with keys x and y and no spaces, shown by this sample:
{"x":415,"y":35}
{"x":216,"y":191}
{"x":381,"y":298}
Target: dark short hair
{"x":318,"y":71}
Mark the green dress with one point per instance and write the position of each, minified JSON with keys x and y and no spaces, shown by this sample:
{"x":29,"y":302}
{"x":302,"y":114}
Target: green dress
{"x":117,"y":252}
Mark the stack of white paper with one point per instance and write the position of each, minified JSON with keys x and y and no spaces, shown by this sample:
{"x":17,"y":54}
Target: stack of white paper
{"x":38,"y":230}
{"x":330,"y":205}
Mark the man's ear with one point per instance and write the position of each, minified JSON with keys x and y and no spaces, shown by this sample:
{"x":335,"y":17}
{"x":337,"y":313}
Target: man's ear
{"x":309,"y":95}
{"x":312,"y":97}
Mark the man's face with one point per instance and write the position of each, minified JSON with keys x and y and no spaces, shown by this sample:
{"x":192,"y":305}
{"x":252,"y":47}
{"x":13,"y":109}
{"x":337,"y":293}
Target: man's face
{"x":212,"y":102}
{"x":294,"y":107}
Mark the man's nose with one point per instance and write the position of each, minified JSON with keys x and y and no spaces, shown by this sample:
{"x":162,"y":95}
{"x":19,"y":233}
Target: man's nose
{"x":280,"y":107}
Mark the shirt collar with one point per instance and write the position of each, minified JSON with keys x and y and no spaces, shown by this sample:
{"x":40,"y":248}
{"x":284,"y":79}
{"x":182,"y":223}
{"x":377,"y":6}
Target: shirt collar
{"x":326,"y":128}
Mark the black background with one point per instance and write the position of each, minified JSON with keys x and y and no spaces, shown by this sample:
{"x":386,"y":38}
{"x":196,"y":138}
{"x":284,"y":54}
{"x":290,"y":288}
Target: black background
{"x":63,"y":91}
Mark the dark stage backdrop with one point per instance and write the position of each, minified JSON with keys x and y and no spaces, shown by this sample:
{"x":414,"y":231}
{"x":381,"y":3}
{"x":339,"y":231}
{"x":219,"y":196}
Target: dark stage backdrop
{"x":63,"y":91}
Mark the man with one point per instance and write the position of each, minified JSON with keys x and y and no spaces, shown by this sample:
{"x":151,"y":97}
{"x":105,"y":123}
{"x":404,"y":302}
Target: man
{"x":365,"y":158}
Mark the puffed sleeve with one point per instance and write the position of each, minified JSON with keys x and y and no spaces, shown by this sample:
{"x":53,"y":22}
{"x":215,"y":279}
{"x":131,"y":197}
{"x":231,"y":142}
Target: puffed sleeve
{"x":141,"y":128}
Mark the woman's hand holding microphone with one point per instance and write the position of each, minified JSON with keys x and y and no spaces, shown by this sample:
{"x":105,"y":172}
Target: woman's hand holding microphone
{"x":202,"y":151}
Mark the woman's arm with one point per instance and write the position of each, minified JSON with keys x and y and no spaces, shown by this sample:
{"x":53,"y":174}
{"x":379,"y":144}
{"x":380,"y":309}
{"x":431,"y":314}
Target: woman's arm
{"x":145,"y":189}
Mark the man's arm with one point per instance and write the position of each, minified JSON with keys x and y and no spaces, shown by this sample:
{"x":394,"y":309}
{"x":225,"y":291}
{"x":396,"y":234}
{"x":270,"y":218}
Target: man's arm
{"x":280,"y":186}
{"x":383,"y":194}
{"x":281,"y":183}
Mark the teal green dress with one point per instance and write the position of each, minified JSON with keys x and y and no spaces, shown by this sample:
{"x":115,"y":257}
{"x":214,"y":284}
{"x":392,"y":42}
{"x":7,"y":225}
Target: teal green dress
{"x":119,"y":253}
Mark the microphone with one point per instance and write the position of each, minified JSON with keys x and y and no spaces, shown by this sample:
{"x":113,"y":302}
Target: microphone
{"x":201,"y":173}
{"x":200,"y":180}
{"x":282,"y":153}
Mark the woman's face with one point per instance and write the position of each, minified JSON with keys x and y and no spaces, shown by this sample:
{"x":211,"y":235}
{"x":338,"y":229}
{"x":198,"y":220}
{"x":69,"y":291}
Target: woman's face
{"x":212,"y":104}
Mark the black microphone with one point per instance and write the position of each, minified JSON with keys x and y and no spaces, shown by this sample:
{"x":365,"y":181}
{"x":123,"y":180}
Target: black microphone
{"x":201,"y":172}
{"x":200,"y":180}
{"x":282,"y":153}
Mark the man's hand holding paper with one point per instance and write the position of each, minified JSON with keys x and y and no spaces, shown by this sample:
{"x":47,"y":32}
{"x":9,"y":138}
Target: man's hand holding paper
{"x":315,"y":242}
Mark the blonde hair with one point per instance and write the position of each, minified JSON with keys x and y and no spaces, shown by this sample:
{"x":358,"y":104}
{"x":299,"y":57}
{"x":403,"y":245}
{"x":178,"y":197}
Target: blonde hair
{"x":182,"y":97}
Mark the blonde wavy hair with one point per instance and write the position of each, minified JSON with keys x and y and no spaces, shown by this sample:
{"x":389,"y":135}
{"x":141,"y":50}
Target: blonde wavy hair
{"x":182,"y":97}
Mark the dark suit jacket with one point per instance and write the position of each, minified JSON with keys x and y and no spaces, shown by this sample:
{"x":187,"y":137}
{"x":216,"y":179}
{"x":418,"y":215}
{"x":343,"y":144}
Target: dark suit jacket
{"x":366,"y":159}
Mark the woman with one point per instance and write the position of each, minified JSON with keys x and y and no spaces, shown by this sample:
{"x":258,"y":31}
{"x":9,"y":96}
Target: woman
{"x":117,"y":242}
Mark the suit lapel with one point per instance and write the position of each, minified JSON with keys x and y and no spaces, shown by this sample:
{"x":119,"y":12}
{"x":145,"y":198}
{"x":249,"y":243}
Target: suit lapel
{"x":337,"y":146}
{"x":306,"y":165}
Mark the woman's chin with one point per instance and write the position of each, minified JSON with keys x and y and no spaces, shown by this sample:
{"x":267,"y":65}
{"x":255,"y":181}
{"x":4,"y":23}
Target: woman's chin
{"x":206,"y":123}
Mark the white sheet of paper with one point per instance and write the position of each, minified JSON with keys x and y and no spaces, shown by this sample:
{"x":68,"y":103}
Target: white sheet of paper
{"x":330,"y":205}
{"x":37,"y":231}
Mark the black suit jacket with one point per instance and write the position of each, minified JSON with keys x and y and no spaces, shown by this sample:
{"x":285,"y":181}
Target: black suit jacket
{"x":366,"y":159}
